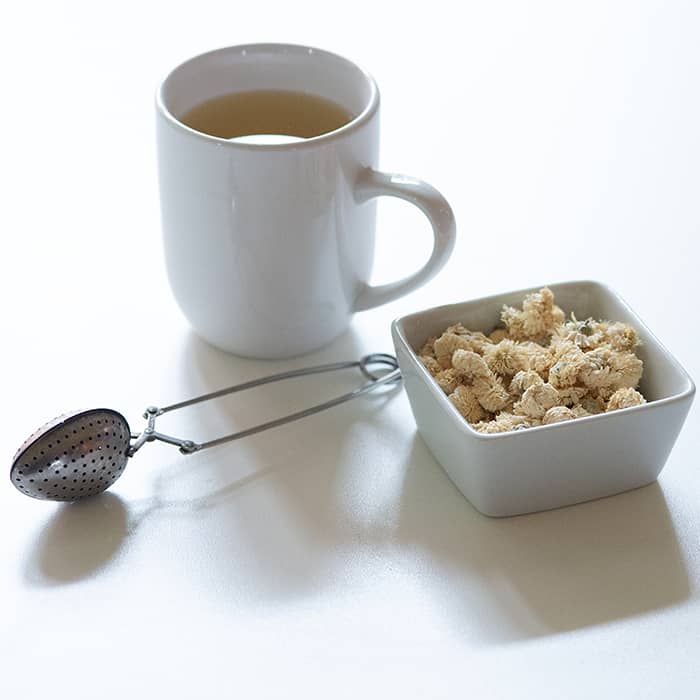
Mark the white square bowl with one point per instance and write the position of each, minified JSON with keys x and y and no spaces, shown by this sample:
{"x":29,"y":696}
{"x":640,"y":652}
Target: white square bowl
{"x":554,"y":465}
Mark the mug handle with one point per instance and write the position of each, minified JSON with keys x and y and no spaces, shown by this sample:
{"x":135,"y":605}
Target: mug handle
{"x":372,"y":183}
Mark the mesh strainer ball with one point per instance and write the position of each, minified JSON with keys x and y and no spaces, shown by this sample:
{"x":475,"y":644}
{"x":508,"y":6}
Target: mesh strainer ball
{"x":73,"y":456}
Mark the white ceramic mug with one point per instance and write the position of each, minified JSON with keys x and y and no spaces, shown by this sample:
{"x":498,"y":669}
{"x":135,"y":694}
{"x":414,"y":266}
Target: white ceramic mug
{"x":269,"y":247}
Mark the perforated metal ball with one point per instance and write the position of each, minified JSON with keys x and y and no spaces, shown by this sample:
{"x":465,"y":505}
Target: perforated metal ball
{"x":74,"y":456}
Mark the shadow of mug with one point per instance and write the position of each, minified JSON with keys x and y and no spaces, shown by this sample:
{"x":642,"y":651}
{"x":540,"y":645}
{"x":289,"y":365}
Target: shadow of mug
{"x":542,"y":573}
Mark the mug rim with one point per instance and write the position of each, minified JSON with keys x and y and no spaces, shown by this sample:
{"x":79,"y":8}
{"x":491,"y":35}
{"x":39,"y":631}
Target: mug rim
{"x":341,"y":132}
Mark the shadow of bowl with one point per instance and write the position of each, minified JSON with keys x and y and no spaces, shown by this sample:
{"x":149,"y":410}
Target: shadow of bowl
{"x":543,"y":573}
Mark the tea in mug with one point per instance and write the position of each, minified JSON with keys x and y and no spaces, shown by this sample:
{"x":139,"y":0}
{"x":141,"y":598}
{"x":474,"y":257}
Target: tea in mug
{"x":266,"y":112}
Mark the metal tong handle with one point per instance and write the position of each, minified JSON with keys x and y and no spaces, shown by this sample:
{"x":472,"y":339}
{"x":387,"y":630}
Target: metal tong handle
{"x":188,"y":446}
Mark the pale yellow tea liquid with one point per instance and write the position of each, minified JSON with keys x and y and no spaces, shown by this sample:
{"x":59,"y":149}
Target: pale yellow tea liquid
{"x":266,"y":112}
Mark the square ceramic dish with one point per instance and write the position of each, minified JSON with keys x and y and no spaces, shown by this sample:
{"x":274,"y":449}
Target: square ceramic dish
{"x":553,"y":465}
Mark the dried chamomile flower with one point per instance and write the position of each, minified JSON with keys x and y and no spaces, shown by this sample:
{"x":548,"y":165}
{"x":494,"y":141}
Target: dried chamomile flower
{"x":431,"y":364}
{"x":464,"y":400}
{"x":579,"y":411}
{"x":625,"y":398}
{"x":571,"y":395}
{"x":428,"y":349}
{"x":492,"y":395}
{"x":471,"y":364}
{"x":606,"y":370}
{"x":537,"y":357}
{"x":506,"y":358}
{"x":537,"y":400}
{"x":627,"y":368}
{"x":580,"y":333}
{"x":590,"y":334}
{"x":447,"y":343}
{"x":620,"y":336}
{"x":457,"y":329}
{"x":449,"y":379}
{"x":538,"y":319}
{"x":569,"y":359}
{"x":504,"y":423}
{"x":498,"y":334}
{"x":480,"y":341}
{"x":485,"y":384}
{"x":595,"y":371}
{"x":524,"y":380}
{"x":557,"y":414}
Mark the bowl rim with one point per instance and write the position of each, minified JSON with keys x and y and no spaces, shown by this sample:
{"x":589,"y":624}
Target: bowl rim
{"x":397,"y":327}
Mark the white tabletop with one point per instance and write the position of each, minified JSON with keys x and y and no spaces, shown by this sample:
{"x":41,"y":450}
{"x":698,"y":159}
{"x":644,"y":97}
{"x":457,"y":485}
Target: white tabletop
{"x":333,"y":557}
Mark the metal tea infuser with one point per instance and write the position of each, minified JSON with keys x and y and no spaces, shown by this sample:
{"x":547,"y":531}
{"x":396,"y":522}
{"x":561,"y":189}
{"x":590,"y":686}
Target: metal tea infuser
{"x":82,"y":453}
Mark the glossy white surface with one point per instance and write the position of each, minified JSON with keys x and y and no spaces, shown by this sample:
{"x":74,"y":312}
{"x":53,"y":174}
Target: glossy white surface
{"x":334,"y":558}
{"x":555,"y":465}
{"x":269,"y":247}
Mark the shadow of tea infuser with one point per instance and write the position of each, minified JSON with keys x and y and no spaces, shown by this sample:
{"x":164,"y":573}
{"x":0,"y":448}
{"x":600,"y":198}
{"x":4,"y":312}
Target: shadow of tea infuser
{"x":82,"y":453}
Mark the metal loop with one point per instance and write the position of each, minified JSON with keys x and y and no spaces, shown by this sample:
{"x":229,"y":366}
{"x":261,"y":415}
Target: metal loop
{"x":378,"y":358}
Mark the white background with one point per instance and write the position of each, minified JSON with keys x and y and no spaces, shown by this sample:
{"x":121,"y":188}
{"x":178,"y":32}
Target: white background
{"x":333,"y":558}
